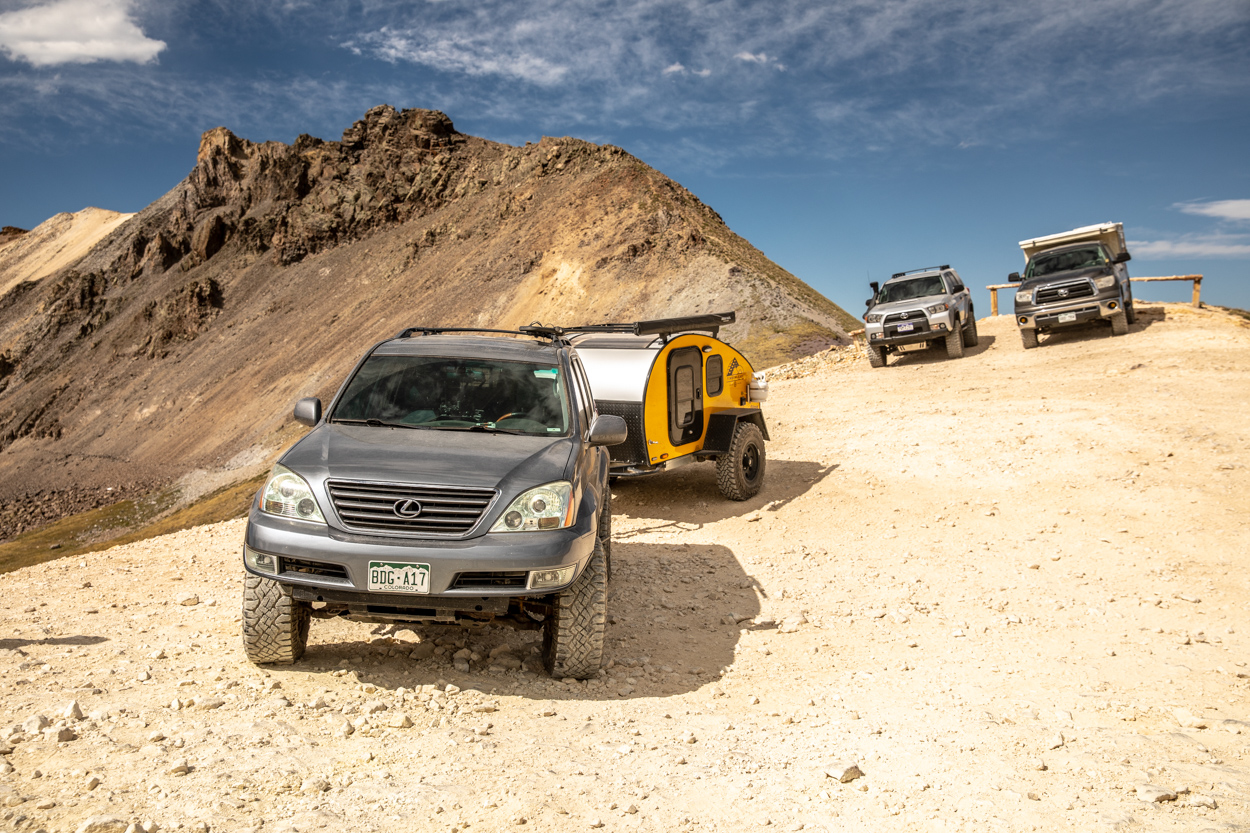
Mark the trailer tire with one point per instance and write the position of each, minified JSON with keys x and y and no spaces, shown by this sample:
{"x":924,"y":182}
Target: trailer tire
{"x":275,"y":626}
{"x":605,"y":531}
{"x":1119,"y":324}
{"x":573,"y":633}
{"x":1029,"y":337}
{"x":876,"y":356}
{"x":955,"y":344}
{"x":740,"y":471}
{"x":971,"y":337}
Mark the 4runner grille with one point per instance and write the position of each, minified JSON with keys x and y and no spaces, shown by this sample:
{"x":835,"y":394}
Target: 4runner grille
{"x":404,"y":509}
{"x":912,"y":315}
{"x":1067,"y":291}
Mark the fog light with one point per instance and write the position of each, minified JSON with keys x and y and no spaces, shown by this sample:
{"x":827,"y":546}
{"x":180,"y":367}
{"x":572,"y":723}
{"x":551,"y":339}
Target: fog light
{"x":941,"y":326}
{"x":875,"y":336}
{"x":540,"y":579}
{"x":1024,"y":319}
{"x":259,"y":561}
{"x":1112,"y":305}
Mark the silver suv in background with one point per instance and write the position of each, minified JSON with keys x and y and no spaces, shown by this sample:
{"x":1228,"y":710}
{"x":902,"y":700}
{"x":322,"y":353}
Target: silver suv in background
{"x":918,"y":309}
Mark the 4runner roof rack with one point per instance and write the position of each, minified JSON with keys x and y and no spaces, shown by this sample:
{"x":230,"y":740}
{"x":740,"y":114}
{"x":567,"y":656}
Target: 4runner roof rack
{"x":926,"y":269}
{"x":665,"y":327}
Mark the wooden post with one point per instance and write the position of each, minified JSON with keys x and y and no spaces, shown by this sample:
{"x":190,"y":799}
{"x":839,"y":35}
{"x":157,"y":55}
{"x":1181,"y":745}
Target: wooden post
{"x":993,"y":301}
{"x":1197,"y":302}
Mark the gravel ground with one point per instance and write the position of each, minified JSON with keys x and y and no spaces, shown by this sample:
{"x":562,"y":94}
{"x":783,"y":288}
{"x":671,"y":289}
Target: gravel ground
{"x":1004,"y":593}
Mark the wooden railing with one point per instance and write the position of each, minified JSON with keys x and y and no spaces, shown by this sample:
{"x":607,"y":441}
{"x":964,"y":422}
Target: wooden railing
{"x":1197,"y":281}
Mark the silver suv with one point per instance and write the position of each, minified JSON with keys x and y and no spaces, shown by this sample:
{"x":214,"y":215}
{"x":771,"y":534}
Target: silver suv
{"x":919,"y":309}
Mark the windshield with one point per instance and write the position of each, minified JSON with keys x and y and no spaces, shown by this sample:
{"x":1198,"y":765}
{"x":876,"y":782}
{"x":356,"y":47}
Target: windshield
{"x":1053,"y":263}
{"x":905,"y":290}
{"x":450,"y":393}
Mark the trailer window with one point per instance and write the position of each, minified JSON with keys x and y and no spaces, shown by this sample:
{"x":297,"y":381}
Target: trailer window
{"x":683,"y":395}
{"x":715,"y":375}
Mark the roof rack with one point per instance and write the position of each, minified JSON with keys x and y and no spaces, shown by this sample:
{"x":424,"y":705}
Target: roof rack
{"x":664,"y":327}
{"x":926,"y":269}
{"x":532,"y":330}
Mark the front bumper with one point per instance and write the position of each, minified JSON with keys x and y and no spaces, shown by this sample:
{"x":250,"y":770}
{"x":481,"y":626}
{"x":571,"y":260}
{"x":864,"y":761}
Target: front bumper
{"x":1082,"y":310}
{"x":927,"y":329}
{"x":315,"y":556}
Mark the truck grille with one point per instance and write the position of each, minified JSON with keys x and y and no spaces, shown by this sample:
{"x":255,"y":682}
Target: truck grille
{"x":634,"y":449}
{"x":912,"y":315}
{"x":389,"y":507}
{"x":1066,"y":291}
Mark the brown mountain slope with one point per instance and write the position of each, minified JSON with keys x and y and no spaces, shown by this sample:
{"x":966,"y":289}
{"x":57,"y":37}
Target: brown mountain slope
{"x":52,"y":245}
{"x":182,"y":338}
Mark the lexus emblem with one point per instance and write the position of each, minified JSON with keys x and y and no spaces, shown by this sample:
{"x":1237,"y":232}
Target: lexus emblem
{"x":1063,"y":293}
{"x":407,"y":508}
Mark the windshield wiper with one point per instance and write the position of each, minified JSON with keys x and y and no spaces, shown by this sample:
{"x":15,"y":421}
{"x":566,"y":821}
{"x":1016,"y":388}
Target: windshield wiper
{"x":377,"y":423}
{"x":481,"y":426}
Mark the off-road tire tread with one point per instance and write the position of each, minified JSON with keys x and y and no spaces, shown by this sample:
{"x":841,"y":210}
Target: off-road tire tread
{"x":1029,"y":338}
{"x":729,"y":477}
{"x":971,"y":337}
{"x":955,"y":344}
{"x":1119,"y":324}
{"x":573,"y":634}
{"x":1130,"y":312}
{"x":275,"y":626}
{"x":605,"y":531}
{"x":876,"y":356}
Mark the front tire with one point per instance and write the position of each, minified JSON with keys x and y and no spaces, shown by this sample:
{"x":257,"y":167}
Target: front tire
{"x":1029,"y":337}
{"x":275,"y":626}
{"x":1119,"y":324}
{"x":605,"y":531}
{"x":1130,"y":312}
{"x":971,"y":337}
{"x":955,"y":345}
{"x":573,"y":633}
{"x":876,"y":356}
{"x":740,"y":471}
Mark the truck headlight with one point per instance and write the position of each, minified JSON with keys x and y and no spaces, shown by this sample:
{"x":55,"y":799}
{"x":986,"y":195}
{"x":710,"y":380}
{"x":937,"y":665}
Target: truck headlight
{"x":1105,"y":282}
{"x":873,"y":318}
{"x":937,"y":308}
{"x":1024,"y":297}
{"x":544,"y":507}
{"x":287,"y":495}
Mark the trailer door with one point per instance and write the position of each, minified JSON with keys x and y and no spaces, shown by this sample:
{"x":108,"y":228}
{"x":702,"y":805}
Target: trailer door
{"x":685,"y":395}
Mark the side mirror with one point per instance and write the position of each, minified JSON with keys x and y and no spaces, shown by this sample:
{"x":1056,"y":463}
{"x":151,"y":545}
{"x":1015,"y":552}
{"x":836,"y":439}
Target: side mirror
{"x":1122,"y":257}
{"x":607,"y":430}
{"x":1014,"y":277}
{"x":308,"y":411}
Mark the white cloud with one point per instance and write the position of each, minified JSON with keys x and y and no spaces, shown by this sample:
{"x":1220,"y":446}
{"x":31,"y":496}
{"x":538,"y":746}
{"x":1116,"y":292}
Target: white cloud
{"x":760,"y":58}
{"x":1192,"y":245}
{"x":671,"y":68}
{"x":1236,"y":210}
{"x":76,"y":32}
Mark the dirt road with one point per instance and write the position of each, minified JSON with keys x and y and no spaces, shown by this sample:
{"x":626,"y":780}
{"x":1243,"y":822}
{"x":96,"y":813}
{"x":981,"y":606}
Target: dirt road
{"x":1010,"y":589}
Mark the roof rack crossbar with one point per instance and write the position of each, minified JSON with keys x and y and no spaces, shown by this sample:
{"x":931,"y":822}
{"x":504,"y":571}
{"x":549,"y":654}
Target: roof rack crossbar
{"x":663,"y":326}
{"x":533,"y":330}
{"x":926,"y":269}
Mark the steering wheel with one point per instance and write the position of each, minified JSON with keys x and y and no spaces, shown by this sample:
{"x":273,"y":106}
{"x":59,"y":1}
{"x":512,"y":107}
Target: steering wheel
{"x":510,"y":414}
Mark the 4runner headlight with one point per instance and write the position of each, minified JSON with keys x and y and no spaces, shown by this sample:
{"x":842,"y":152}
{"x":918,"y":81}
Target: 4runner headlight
{"x":1024,"y":297}
{"x":544,"y":507}
{"x":937,"y":308}
{"x":287,"y":495}
{"x":873,"y":318}
{"x":1105,"y":282}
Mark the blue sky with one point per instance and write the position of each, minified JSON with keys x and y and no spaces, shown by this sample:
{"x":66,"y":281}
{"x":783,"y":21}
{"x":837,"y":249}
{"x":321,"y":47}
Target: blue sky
{"x":847,"y":140}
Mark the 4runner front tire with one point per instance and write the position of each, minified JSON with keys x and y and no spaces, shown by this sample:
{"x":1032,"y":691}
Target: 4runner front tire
{"x":573,"y":633}
{"x":740,"y":471}
{"x":275,"y":626}
{"x":1029,"y":337}
{"x":876,"y":356}
{"x":955,"y":345}
{"x":971,"y":337}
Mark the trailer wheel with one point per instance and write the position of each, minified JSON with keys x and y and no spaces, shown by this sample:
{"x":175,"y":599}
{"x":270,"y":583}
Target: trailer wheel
{"x":955,"y":344}
{"x":275,"y":626}
{"x":876,"y":356}
{"x":573,"y":633}
{"x":605,"y":531}
{"x":1029,"y":337}
{"x":971,"y":337}
{"x":1119,"y":324}
{"x":740,"y":471}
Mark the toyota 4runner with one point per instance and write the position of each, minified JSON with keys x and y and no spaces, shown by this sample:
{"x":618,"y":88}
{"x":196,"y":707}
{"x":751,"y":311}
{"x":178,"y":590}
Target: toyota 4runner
{"x":457,"y":477}
{"x":918,"y":309}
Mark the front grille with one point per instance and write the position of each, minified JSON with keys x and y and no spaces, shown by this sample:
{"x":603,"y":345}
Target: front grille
{"x":372,"y":507}
{"x":313,"y":568}
{"x":634,"y":450}
{"x":1067,"y":291}
{"x":912,"y":315}
{"x":495,"y":579}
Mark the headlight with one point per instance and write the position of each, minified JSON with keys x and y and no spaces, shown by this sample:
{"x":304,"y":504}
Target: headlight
{"x":287,"y":495}
{"x":1024,"y":297}
{"x":873,"y":318}
{"x":937,"y":308}
{"x":544,"y":507}
{"x":1105,"y":282}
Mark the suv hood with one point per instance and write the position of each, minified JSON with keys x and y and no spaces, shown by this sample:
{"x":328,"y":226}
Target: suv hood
{"x":908,"y":305}
{"x":508,"y":462}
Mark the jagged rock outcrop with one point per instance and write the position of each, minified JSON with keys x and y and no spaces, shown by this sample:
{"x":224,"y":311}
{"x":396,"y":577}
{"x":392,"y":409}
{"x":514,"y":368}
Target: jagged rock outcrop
{"x":185,"y":332}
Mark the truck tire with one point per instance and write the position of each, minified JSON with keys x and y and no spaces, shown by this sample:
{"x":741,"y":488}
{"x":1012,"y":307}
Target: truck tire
{"x":971,"y":337}
{"x":955,"y":345}
{"x":605,"y":531}
{"x":275,"y":626}
{"x":876,"y":356}
{"x":1029,"y":337}
{"x":573,"y":633}
{"x":1130,"y":312}
{"x":740,"y":471}
{"x":1119,"y":324}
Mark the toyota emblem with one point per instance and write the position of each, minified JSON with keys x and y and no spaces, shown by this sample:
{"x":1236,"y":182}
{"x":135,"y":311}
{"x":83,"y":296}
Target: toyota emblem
{"x":903,"y":316}
{"x":1063,"y":293}
{"x":407,"y":508}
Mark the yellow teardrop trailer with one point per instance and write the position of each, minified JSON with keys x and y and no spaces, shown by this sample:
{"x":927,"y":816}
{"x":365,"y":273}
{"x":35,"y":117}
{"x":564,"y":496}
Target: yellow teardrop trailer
{"x":686,"y":396}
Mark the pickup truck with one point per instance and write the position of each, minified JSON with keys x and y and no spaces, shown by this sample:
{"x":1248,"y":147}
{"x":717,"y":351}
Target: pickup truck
{"x":1073,"y":277}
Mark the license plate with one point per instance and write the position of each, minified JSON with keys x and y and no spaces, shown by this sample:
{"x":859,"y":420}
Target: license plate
{"x":1067,"y":317}
{"x":399,"y":577}
{"x":906,"y":328}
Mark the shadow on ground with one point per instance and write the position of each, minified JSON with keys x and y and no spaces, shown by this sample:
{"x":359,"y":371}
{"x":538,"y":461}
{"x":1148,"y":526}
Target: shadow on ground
{"x":15,"y":644}
{"x":938,"y":354}
{"x":675,"y":615}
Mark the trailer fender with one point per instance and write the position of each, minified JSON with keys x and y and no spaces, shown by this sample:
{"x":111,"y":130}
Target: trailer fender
{"x":721,"y":425}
